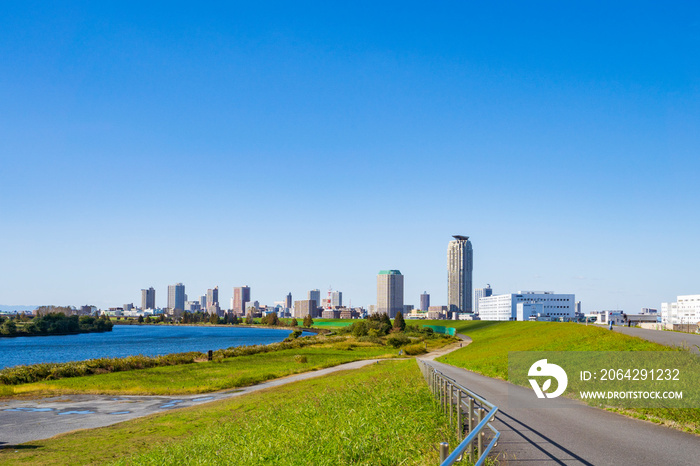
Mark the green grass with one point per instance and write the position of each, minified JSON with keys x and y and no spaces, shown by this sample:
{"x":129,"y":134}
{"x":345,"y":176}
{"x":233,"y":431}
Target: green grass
{"x":488,"y":353}
{"x":380,"y":415}
{"x":207,"y":376}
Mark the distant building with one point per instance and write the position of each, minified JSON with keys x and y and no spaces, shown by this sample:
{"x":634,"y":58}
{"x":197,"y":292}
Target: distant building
{"x":460,"y":264}
{"x":407,"y":308}
{"x":347,"y":313}
{"x":389,"y":292}
{"x":686,"y":310}
{"x":203,"y":302}
{"x":192,"y":306}
{"x":481,"y":293}
{"x":424,"y":301}
{"x":437,"y":312}
{"x":213,"y":300}
{"x":330,"y":314}
{"x":176,"y":297}
{"x":288,"y":301}
{"x":336,"y":299}
{"x":648,"y":311}
{"x":305,"y":307}
{"x":505,"y":306}
{"x":241,"y":297}
{"x":316,"y":296}
{"x":128,"y":307}
{"x":148,"y":299}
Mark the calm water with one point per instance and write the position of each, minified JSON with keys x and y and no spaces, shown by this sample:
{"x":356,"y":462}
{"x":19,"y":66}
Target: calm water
{"x":127,"y":340}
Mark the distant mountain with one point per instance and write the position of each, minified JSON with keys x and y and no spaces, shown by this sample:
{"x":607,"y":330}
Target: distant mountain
{"x":19,"y":308}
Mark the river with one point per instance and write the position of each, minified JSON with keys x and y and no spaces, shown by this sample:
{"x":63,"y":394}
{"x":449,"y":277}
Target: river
{"x":128,"y":340}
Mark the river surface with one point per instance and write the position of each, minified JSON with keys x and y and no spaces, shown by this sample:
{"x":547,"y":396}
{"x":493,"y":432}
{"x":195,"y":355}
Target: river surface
{"x":128,"y":340}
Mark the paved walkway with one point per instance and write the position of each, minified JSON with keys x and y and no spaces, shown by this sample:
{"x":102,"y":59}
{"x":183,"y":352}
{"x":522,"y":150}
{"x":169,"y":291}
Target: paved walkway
{"x":572,"y":432}
{"x":24,"y":421}
{"x":664,"y":337}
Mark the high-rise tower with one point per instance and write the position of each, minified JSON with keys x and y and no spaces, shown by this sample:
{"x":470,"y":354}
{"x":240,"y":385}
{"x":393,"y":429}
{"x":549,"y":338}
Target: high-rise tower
{"x":389,"y":292}
{"x":460,"y":263}
{"x":213,"y":300}
{"x":241,"y":297}
{"x":176,"y":297}
{"x":424,"y":301}
{"x":148,"y":299}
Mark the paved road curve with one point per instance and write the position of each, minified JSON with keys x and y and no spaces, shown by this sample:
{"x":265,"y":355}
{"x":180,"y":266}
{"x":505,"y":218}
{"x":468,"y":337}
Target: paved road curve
{"x":573,"y":433}
{"x":24,"y":421}
{"x":688,"y":340}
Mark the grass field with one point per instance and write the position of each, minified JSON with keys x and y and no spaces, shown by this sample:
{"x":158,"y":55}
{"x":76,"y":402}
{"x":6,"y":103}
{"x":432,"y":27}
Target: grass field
{"x":207,"y":376}
{"x":381,"y":415}
{"x":488,"y":353}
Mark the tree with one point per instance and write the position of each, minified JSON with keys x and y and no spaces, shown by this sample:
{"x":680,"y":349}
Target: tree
{"x":270,"y":319}
{"x":249,"y":318}
{"x":384,"y":319}
{"x":294,"y":323}
{"x":8,"y":328}
{"x":140,"y":319}
{"x":308,"y":321}
{"x":359,"y":329}
{"x":399,"y":322}
{"x":213,"y":318}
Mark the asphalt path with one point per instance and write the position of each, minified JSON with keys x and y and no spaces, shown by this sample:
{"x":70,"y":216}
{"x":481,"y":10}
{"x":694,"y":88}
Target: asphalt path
{"x":571,"y":432}
{"x":664,"y":337}
{"x":23,"y":421}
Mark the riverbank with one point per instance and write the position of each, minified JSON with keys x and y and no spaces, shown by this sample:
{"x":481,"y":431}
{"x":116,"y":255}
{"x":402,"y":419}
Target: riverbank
{"x":379,"y":414}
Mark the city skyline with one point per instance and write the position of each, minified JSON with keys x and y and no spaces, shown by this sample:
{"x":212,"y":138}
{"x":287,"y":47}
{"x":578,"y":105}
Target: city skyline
{"x":565,"y":145}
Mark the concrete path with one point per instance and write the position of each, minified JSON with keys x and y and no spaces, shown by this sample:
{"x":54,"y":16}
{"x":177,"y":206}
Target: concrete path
{"x":24,"y":421}
{"x":664,"y":337}
{"x":572,"y":432}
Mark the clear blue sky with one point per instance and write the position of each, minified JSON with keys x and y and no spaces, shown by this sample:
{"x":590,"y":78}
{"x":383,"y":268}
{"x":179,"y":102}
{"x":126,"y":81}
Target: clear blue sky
{"x":297,"y":146}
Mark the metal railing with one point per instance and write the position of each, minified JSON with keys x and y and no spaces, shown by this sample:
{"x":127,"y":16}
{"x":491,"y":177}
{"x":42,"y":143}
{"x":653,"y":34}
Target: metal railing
{"x":460,"y":401}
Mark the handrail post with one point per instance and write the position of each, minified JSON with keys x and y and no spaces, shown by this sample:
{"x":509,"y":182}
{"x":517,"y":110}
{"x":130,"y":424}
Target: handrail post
{"x":449,"y":401}
{"x":459,"y":415}
{"x":471,"y":427}
{"x":444,"y":451}
{"x":480,"y":435}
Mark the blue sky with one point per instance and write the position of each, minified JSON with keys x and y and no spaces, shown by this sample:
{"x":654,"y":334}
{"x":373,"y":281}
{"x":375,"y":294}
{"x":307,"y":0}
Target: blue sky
{"x":292,"y":147}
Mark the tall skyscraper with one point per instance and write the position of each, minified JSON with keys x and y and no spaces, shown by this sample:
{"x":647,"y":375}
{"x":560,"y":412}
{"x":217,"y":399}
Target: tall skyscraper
{"x":424,"y":301}
{"x":316,"y":296}
{"x":148,"y":299}
{"x":336,"y":299}
{"x":481,"y":293}
{"x":460,"y":263}
{"x":389,"y":292}
{"x":176,"y":297}
{"x":288,"y":301}
{"x":213,"y":300}
{"x":241,"y":297}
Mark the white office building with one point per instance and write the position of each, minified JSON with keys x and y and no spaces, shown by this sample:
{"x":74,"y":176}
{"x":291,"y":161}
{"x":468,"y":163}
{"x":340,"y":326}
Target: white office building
{"x":505,"y":306}
{"x":686,"y":310}
{"x":481,"y":293}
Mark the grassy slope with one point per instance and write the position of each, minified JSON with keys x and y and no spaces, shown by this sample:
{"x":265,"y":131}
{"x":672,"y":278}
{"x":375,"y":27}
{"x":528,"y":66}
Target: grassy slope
{"x":206,"y":376}
{"x":488,"y":353}
{"x":381,"y":414}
